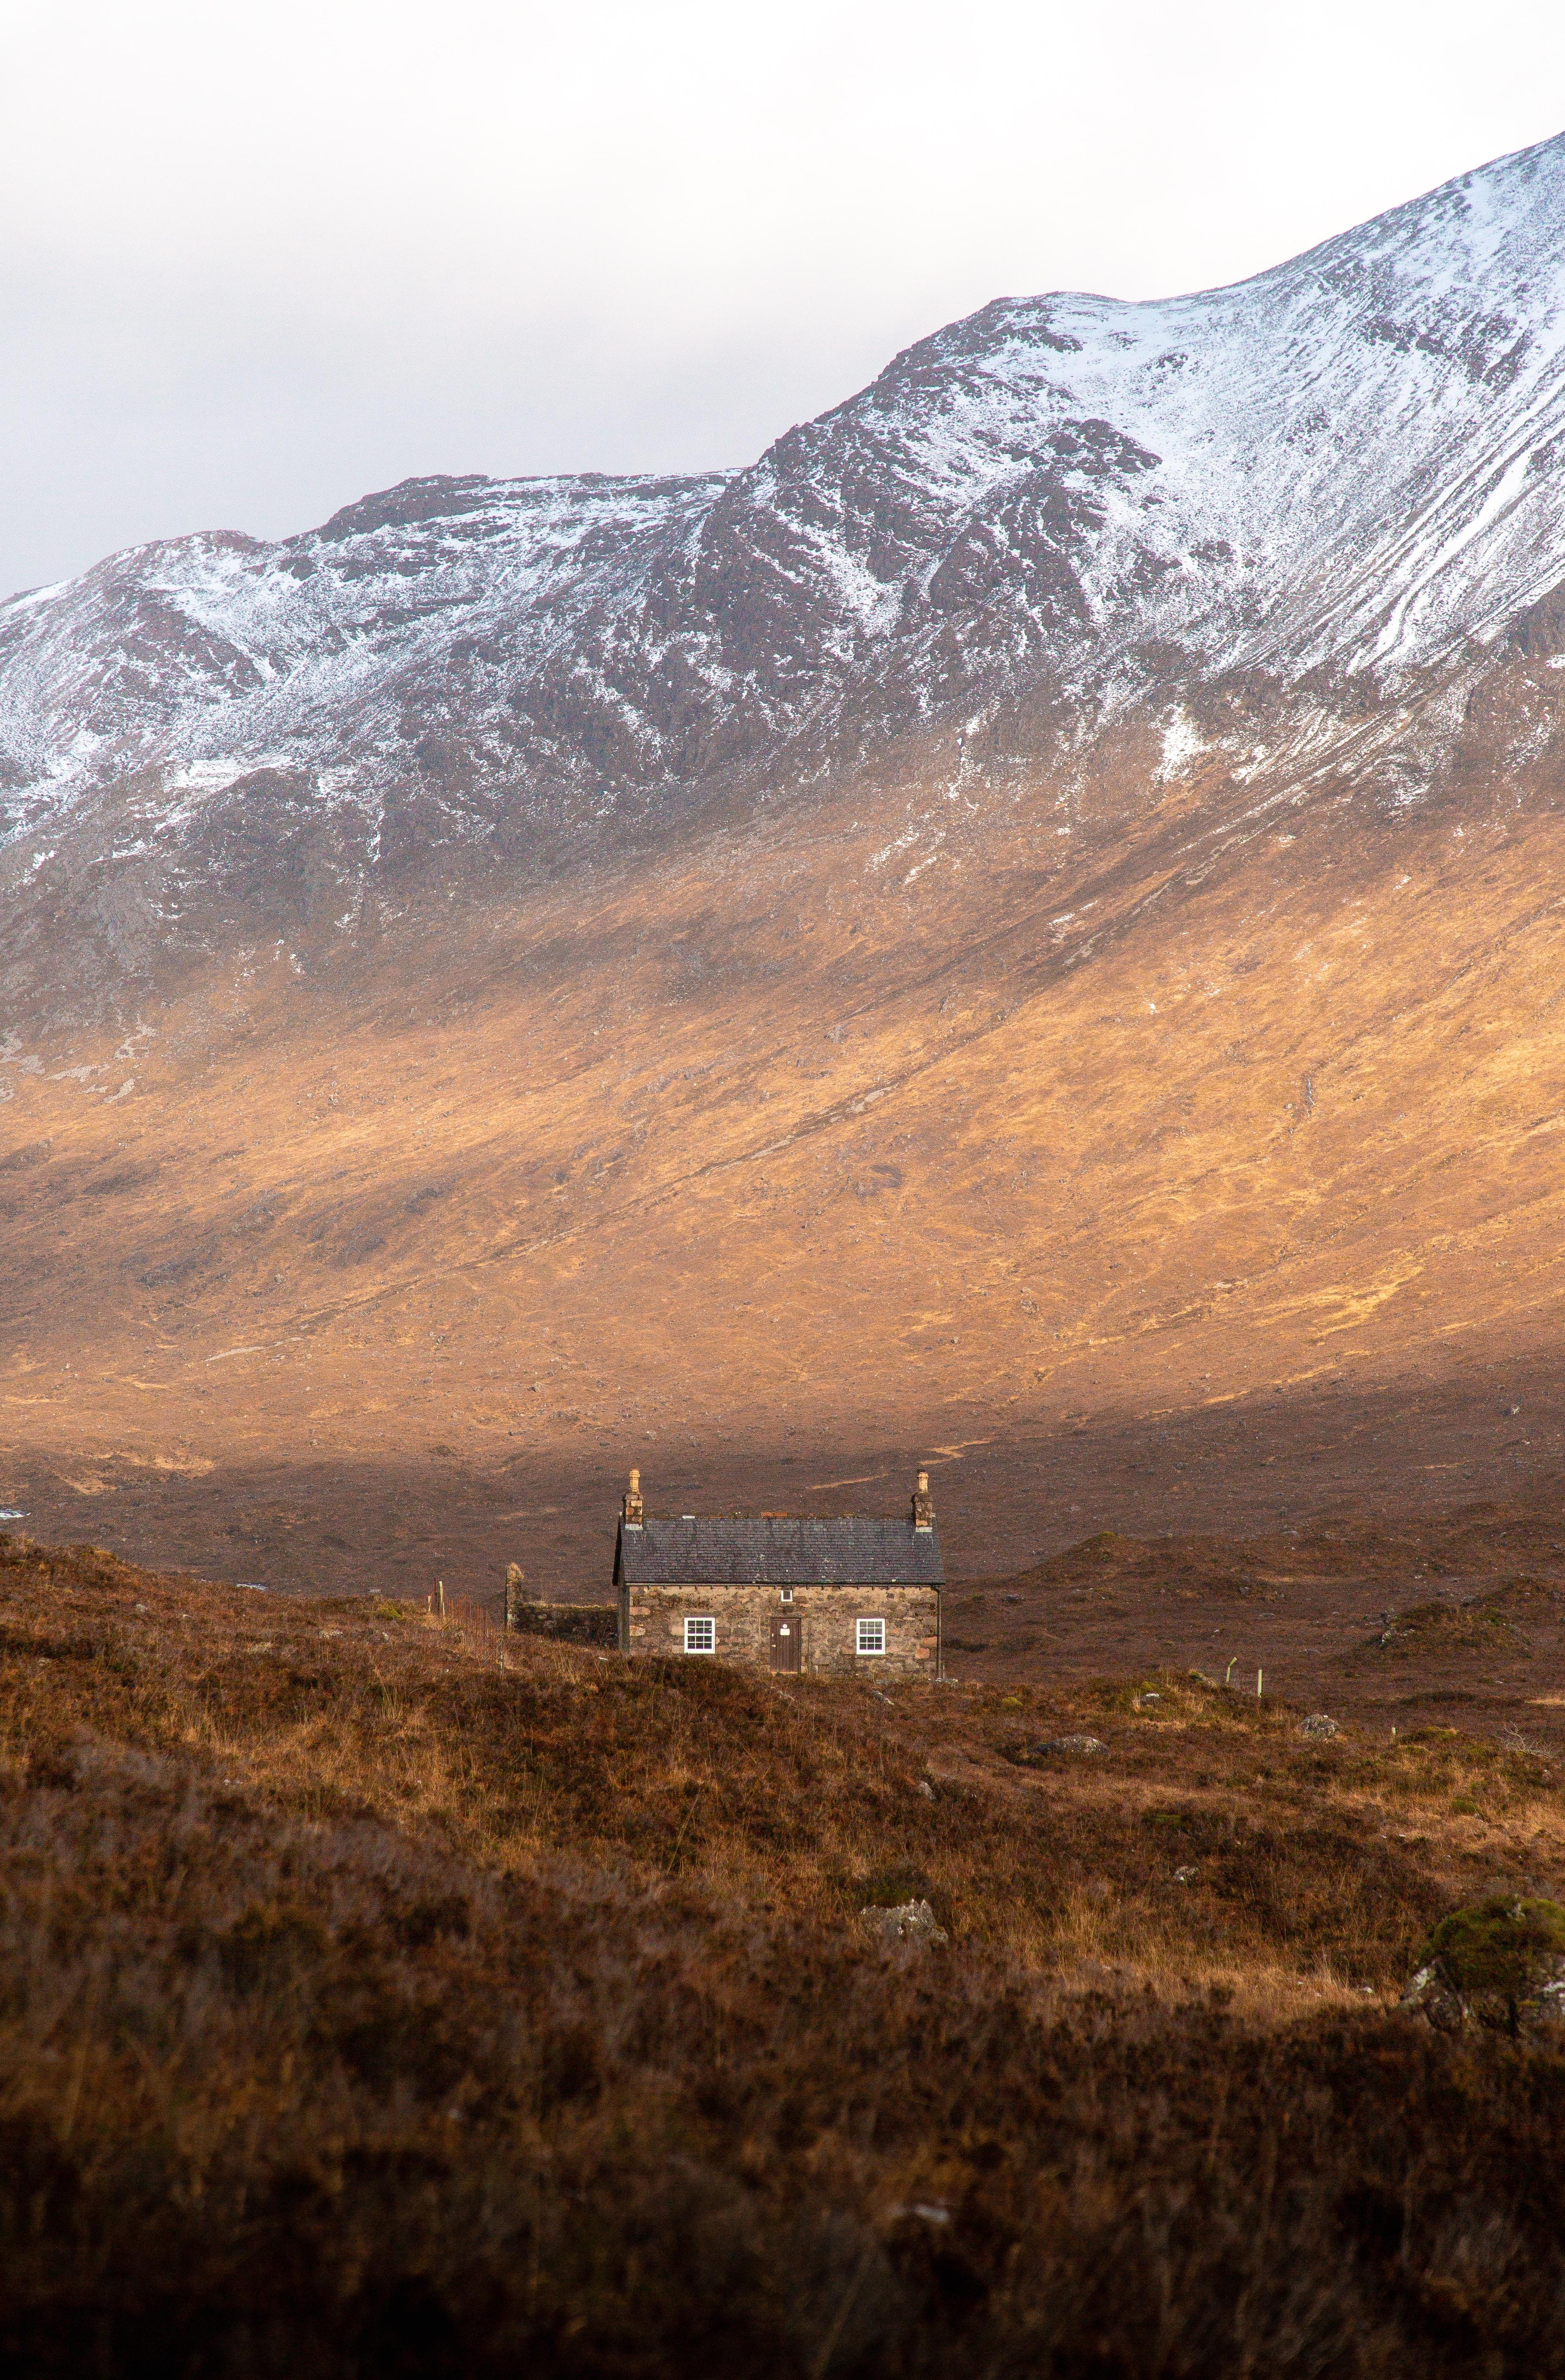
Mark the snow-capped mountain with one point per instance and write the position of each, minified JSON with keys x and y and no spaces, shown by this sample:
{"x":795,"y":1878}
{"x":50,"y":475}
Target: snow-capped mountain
{"x":1354,"y":464}
{"x":1039,"y":897}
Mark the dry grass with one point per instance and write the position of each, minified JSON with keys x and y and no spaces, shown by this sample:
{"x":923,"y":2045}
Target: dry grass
{"x":389,"y":1996}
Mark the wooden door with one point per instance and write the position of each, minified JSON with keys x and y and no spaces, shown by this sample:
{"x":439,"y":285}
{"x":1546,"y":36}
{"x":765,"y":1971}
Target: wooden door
{"x":785,"y":1640}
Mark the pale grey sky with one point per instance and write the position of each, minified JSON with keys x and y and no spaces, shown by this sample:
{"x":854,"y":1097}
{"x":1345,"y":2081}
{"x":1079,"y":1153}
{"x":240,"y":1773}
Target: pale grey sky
{"x":259,"y":260}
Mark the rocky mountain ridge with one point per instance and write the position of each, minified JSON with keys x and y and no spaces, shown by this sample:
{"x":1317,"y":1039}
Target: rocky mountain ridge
{"x":1348,"y":471}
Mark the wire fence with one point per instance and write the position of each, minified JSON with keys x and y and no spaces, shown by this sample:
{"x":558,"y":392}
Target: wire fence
{"x":480,"y":1622}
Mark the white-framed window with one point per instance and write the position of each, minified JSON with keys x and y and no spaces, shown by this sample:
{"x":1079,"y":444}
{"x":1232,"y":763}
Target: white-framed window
{"x":700,"y":1635}
{"x":785,"y":1595}
{"x":871,"y":1635}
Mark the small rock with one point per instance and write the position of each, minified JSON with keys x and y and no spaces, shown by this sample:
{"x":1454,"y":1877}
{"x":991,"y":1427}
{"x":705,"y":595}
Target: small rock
{"x":914,"y":1921}
{"x":1319,"y":1727}
{"x":1040,"y":1750}
{"x":926,"y":1789}
{"x":1187,"y":1875}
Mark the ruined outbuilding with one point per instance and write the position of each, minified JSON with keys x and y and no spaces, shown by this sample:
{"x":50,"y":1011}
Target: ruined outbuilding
{"x":858,"y":1595}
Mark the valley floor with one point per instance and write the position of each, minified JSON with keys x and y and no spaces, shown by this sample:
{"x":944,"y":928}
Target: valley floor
{"x":1276,"y":1533}
{"x":383,"y":1997}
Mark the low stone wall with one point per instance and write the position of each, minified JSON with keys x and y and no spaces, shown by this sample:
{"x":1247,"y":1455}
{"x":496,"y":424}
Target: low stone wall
{"x":566,"y":1623}
{"x":825,"y":1615}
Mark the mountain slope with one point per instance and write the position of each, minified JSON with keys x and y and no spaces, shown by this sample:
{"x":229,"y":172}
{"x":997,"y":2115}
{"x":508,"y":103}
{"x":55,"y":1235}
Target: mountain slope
{"x":1024,"y":922}
{"x":1356,"y":462}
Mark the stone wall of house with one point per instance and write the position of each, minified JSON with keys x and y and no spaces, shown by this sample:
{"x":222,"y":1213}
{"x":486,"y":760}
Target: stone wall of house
{"x":652,"y":1620}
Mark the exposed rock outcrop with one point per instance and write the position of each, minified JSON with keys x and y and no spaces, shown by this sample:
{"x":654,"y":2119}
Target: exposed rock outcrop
{"x":1499,"y":1963}
{"x":912,"y":1922}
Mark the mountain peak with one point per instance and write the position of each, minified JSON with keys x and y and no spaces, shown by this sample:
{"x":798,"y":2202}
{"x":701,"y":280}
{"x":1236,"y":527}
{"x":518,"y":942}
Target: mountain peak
{"x":1352,"y":464}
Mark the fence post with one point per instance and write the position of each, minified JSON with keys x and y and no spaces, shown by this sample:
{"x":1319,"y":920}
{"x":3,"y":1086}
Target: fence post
{"x":513,"y":1579}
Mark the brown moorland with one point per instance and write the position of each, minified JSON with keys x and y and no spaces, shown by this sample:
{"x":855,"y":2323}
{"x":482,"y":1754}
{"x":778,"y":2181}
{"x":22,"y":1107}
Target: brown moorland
{"x":1142,"y":1152}
{"x":1455,"y":1616}
{"x":385,"y":1996}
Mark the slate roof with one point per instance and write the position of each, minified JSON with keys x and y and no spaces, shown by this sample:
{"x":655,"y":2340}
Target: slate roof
{"x":712,"y":1551}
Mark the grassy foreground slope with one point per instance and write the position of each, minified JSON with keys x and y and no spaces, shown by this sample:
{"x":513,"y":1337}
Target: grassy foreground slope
{"x":377,"y":1997}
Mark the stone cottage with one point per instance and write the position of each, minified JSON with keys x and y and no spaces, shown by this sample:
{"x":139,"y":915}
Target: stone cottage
{"x":832,"y":1597}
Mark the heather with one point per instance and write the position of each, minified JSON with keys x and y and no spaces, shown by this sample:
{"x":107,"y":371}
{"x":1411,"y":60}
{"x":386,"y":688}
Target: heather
{"x":380,"y":1996}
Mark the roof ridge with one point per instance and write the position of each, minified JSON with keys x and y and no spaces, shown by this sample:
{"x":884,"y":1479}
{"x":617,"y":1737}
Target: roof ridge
{"x":758,"y":1548}
{"x":881,"y":1520}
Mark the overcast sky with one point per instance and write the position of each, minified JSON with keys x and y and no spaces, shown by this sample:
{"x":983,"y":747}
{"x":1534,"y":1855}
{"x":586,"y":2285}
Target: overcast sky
{"x":257,"y":260}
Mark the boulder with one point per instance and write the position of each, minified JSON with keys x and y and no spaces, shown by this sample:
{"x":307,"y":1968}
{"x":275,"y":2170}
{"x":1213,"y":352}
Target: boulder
{"x":914,"y":1921}
{"x":1319,"y":1727}
{"x":1038,"y":1752}
{"x":1498,"y":1962}
{"x":1431,"y":1996}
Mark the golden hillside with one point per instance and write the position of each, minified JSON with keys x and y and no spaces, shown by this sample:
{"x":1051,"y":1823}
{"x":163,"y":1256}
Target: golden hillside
{"x":899,"y":1124}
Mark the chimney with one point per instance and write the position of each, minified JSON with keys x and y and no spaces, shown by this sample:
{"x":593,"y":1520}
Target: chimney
{"x":632,"y":1512}
{"x":923,"y":1504}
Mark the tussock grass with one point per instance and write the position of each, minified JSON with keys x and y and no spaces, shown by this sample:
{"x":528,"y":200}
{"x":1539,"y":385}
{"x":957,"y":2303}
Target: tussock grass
{"x":1485,"y":1624}
{"x":378,"y":1996}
